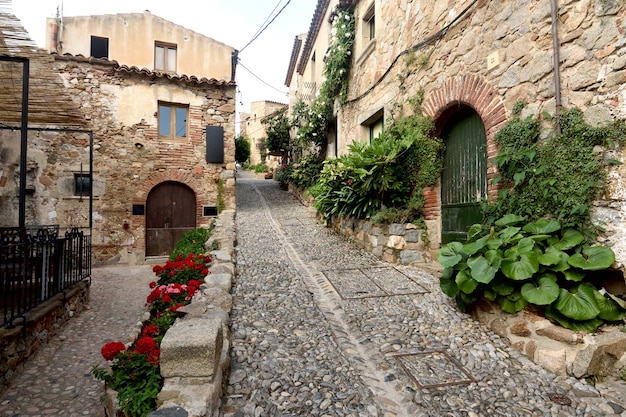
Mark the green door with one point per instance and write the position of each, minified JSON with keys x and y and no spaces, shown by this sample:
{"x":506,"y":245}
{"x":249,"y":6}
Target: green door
{"x":464,"y":177}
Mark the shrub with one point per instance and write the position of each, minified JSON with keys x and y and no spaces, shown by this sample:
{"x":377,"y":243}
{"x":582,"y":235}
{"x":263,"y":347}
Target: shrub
{"x":191,"y":242}
{"x":517,"y":263}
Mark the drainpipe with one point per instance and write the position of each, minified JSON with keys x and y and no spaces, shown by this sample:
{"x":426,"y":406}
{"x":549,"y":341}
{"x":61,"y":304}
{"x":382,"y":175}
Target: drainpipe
{"x":556,"y":63}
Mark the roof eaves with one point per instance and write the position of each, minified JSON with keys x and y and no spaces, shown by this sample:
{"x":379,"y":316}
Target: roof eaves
{"x":314,"y":29}
{"x":295,"y":52}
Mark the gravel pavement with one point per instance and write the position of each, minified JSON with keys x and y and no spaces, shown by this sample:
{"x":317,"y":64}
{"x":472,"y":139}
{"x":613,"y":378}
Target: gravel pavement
{"x":322,"y":328}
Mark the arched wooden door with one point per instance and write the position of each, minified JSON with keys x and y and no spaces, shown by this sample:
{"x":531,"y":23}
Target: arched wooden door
{"x":464,"y":177}
{"x":170,"y":213}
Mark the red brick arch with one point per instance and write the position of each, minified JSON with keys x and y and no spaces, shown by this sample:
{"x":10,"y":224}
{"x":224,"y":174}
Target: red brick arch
{"x":476,"y":92}
{"x":157,"y":178}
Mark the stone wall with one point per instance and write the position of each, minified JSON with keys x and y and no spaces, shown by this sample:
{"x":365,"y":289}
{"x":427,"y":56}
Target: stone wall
{"x":37,"y":327}
{"x":489,"y":58}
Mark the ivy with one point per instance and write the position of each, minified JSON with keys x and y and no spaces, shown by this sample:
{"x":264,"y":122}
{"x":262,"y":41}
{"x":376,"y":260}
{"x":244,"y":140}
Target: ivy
{"x":557,"y":177}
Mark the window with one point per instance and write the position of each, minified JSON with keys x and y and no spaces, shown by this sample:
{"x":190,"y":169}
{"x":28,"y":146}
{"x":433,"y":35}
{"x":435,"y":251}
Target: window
{"x":376,"y":129}
{"x":165,"y":56}
{"x":369,"y":24}
{"x":99,"y":47}
{"x":82,"y":185}
{"x":173,"y":120}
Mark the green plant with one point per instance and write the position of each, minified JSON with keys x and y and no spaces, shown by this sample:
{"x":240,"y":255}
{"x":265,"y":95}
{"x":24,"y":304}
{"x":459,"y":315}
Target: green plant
{"x":221,"y":204}
{"x":191,"y":242}
{"x":518,"y":263}
{"x":258,"y":168}
{"x":557,"y":177}
{"x":134,"y":374}
{"x":242,"y":149}
{"x":384,"y":179}
{"x":277,"y":129}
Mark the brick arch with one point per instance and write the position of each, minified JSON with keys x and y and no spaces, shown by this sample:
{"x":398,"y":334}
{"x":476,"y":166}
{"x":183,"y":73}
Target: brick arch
{"x":476,"y":92}
{"x":157,"y":178}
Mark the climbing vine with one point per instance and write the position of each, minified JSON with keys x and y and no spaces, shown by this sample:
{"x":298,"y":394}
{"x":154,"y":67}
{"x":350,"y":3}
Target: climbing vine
{"x":313,"y":120}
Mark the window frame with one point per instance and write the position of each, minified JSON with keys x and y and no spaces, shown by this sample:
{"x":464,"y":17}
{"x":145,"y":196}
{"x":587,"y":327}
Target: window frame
{"x":173,"y":120}
{"x":100,"y":43}
{"x":79,"y":184}
{"x":369,"y":24}
{"x":167,"y":47}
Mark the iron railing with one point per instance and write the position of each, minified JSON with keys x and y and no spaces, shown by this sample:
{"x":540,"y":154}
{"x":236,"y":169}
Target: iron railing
{"x":36,"y":264}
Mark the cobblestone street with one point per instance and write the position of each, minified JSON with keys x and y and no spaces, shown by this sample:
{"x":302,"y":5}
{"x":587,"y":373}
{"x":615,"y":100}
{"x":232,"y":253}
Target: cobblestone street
{"x":321,"y":328}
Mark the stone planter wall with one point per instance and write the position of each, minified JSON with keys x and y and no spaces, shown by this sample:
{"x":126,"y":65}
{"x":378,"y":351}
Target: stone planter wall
{"x":37,"y":327}
{"x":195,"y":355}
{"x":555,"y":348}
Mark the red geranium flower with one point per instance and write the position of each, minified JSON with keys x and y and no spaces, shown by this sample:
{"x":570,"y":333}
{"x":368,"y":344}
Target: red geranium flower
{"x":145,"y":344}
{"x":150,"y":330}
{"x":154,"y":356}
{"x":110,"y":350}
{"x":205,"y":272}
{"x":153,"y":284}
{"x":154,"y":295}
{"x":167,"y":299}
{"x":176,"y":307}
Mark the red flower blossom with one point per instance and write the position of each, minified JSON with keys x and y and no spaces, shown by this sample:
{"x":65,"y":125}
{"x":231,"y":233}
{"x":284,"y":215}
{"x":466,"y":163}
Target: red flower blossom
{"x":154,"y":295}
{"x":167,"y":299}
{"x":153,"y":284}
{"x":176,"y":307}
{"x":154,"y":356}
{"x":110,"y":350}
{"x":205,"y":272}
{"x":145,"y":344}
{"x":150,"y":330}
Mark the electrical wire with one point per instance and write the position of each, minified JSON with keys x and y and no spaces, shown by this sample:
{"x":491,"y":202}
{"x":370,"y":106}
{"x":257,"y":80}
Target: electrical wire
{"x":259,"y":32}
{"x":414,"y":48}
{"x":260,"y":80}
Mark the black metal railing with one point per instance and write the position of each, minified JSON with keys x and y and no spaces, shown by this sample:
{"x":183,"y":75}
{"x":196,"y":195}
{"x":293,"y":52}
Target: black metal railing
{"x":36,"y":264}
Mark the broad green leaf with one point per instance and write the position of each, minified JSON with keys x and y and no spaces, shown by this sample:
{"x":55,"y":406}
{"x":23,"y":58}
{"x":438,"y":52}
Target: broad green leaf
{"x":575,"y":275}
{"x":494,"y":257}
{"x":521,"y":268}
{"x":544,"y":293}
{"x":482,"y":271}
{"x":502,"y":288}
{"x":619,"y":301}
{"x":450,"y":254}
{"x":519,"y":177}
{"x":510,"y":234}
{"x":474,"y":232}
{"x":609,"y":310}
{"x":551,"y":256}
{"x":542,"y":226}
{"x":448,"y":286}
{"x":539,"y":238}
{"x":562,"y":265}
{"x":509,"y":220}
{"x":575,"y":325}
{"x":466,"y":283}
{"x":593,"y":258}
{"x":525,"y":245}
{"x":489,"y":295}
{"x":472,"y":248}
{"x":578,"y":305}
{"x":569,"y":239}
{"x":512,"y":303}
{"x":494,"y":243}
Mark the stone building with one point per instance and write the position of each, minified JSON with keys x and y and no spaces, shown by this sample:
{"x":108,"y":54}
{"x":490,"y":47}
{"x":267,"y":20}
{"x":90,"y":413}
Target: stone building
{"x":162,"y":148}
{"x":474,"y":60}
{"x":255,"y":130}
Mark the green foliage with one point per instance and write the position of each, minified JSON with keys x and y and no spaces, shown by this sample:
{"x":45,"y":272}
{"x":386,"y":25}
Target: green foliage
{"x":277,"y":129}
{"x":136,"y":380}
{"x":191,"y":242}
{"x":558,"y":177}
{"x":388,"y":175}
{"x":302,"y":173}
{"x":242,"y":149}
{"x":221,"y":203}
{"x":517,"y":263}
{"x":313,"y":120}
{"x":258,"y":168}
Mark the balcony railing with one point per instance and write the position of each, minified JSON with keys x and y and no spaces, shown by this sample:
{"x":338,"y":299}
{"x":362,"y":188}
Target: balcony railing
{"x":36,"y":264}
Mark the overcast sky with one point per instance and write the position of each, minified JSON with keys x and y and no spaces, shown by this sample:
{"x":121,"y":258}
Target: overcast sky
{"x":233,"y":22}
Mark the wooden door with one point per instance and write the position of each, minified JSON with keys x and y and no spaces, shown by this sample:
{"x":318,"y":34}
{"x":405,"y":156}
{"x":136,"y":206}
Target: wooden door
{"x":464,"y":177}
{"x":170,"y":213}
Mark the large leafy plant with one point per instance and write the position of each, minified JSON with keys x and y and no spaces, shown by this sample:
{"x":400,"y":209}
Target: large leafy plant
{"x":539,"y":263}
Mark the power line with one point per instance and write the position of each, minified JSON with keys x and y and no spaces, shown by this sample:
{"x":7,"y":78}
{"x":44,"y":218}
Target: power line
{"x":260,"y":80}
{"x":266,"y":26}
{"x":257,"y":33}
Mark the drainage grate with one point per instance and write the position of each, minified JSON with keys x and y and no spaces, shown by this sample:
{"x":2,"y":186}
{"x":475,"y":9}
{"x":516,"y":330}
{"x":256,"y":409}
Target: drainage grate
{"x":357,"y":283}
{"x":434,"y":369}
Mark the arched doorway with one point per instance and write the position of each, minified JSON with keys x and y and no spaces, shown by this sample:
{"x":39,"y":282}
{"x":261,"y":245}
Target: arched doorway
{"x":170,"y":213}
{"x":464,"y":176}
